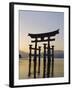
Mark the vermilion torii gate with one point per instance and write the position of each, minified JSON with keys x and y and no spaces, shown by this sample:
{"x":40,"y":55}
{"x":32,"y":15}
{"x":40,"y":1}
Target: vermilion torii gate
{"x":47,"y":53}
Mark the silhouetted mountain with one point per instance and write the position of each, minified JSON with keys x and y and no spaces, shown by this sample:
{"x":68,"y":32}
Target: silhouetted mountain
{"x":23,"y":54}
{"x":57,"y":54}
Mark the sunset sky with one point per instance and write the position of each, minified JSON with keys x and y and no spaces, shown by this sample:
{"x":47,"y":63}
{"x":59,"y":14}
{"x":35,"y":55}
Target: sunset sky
{"x":40,"y":22}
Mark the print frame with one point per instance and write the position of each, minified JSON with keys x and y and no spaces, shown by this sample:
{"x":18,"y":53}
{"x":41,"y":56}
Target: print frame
{"x":13,"y":8}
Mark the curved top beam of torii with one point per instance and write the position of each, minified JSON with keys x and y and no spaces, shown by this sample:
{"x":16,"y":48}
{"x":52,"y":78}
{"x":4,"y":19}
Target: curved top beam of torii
{"x":42,"y":35}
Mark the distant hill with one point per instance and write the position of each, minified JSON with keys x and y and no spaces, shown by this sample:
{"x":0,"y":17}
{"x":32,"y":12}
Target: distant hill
{"x":23,"y":54}
{"x":57,"y":54}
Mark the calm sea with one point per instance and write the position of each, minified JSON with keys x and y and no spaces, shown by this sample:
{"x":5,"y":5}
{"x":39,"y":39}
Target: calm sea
{"x":42,"y":59}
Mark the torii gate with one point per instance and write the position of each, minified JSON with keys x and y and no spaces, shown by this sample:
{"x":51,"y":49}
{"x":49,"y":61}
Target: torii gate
{"x":47,"y":54}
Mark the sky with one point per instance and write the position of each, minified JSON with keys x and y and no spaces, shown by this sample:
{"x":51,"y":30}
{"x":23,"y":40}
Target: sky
{"x":40,"y":22}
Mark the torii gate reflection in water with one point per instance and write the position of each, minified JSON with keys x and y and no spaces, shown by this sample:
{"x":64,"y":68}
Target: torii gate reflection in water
{"x":47,"y":53}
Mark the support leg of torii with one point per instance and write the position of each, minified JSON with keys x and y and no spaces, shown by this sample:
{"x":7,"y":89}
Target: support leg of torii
{"x":52,"y":71}
{"x":44,"y":62}
{"x":49,"y":59}
{"x":29,"y":73}
{"x":35,"y":57}
{"x":39,"y":61}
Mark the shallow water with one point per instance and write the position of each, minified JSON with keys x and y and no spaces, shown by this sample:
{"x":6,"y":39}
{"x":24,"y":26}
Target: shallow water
{"x":24,"y":67}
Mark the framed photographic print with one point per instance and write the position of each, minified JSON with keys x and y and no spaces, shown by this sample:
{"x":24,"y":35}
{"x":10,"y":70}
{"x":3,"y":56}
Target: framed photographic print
{"x":39,"y":44}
